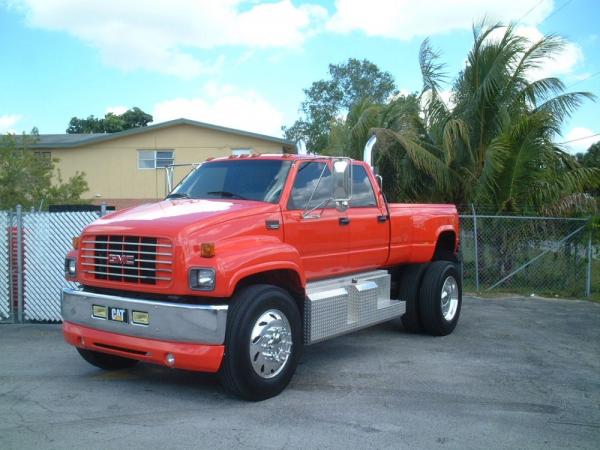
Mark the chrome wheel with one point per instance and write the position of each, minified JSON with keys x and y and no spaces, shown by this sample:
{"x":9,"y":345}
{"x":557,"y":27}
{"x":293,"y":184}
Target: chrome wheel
{"x":270,"y":343}
{"x":449,"y":298}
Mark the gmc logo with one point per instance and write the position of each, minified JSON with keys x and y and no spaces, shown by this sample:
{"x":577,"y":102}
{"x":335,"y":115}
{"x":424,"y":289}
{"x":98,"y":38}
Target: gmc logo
{"x":122,"y":260}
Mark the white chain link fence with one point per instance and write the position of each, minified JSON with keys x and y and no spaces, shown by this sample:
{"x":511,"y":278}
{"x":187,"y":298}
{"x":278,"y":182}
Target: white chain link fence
{"x":47,"y":238}
{"x":5,"y":225}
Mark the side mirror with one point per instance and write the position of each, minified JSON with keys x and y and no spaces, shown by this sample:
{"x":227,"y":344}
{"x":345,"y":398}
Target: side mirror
{"x":342,"y":180}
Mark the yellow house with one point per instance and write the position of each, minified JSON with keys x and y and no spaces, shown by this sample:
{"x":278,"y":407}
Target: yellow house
{"x":128,"y":168}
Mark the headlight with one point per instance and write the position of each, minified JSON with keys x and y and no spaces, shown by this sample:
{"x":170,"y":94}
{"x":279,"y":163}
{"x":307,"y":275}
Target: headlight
{"x":70,"y":267}
{"x":202,"y":279}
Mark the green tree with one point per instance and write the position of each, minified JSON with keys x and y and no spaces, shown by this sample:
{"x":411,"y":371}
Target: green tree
{"x":85,"y":126}
{"x":135,"y":118}
{"x":348,"y":84}
{"x":29,"y":178}
{"x":349,"y":136}
{"x":496,"y":144}
{"x":111,"y":123}
{"x":591,"y":158}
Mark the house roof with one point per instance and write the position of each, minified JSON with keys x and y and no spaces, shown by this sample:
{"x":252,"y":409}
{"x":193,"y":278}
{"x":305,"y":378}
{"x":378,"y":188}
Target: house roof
{"x":77,"y":140}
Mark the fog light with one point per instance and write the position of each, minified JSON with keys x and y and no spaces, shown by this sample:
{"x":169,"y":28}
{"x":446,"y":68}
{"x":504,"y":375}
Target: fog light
{"x":170,"y":360}
{"x":99,"y":312}
{"x":70,"y":267}
{"x":140,"y":317}
{"x":202,"y":279}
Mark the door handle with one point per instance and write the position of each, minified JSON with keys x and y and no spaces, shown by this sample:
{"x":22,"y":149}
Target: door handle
{"x":382,"y":219}
{"x":344,"y":221}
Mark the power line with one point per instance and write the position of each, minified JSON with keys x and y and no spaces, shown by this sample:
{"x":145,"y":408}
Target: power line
{"x":530,"y":10}
{"x":556,"y":10}
{"x":580,"y":139}
{"x":584,"y":79}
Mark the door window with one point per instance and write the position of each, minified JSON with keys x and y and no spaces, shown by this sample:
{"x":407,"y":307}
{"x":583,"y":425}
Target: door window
{"x":313,"y":186}
{"x":362,"y":191}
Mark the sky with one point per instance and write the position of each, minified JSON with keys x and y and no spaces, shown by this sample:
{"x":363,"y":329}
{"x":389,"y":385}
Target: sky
{"x":245,"y":63}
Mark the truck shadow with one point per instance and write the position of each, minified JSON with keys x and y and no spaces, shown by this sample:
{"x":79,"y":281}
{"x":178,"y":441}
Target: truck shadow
{"x":177,"y":383}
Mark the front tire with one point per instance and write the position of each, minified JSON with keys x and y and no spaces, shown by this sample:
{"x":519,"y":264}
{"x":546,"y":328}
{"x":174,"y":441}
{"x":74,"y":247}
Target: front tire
{"x":263,"y":342}
{"x":440,"y":298}
{"x":106,"y":361}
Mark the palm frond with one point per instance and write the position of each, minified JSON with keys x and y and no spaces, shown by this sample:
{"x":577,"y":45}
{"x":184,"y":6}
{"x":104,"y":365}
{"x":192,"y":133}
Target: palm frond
{"x":432,"y":70}
{"x":562,"y":106}
{"x":422,"y":159}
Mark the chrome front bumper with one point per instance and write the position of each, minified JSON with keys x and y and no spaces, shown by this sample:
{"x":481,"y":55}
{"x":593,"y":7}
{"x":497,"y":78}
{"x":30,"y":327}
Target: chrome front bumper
{"x":176,"y":322}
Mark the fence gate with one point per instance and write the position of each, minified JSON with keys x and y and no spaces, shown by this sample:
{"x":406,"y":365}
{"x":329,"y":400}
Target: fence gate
{"x":527,"y":255}
{"x":5,"y":226}
{"x":47,"y":239}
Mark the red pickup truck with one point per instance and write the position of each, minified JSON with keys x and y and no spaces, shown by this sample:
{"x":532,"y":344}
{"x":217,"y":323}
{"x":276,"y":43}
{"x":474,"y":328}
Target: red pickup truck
{"x":249,"y":259}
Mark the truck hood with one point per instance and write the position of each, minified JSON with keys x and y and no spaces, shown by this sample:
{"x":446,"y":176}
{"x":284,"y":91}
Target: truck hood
{"x":172,"y":218}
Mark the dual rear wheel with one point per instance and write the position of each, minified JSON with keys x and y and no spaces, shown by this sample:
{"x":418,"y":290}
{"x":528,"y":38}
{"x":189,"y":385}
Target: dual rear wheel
{"x":433,"y":295}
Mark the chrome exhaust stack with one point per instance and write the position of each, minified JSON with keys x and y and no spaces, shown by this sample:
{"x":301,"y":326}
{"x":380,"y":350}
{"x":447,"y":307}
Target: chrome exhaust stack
{"x":301,"y":147}
{"x":368,"y":152}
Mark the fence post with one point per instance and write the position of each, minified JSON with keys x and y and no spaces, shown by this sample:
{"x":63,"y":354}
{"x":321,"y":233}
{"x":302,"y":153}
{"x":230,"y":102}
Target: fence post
{"x":11,"y":269}
{"x":475,"y":247}
{"x":102,"y":209}
{"x":588,"y":279}
{"x":20,"y":306}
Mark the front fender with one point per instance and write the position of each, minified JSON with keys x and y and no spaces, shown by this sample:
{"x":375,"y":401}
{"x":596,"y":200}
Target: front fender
{"x":243,"y":256}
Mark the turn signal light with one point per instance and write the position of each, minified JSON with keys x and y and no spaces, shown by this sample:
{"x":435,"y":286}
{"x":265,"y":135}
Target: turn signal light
{"x":75,"y":242}
{"x":207,"y":249}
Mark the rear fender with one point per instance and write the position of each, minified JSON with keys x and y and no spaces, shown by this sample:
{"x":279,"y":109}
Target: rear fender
{"x":443,"y":229}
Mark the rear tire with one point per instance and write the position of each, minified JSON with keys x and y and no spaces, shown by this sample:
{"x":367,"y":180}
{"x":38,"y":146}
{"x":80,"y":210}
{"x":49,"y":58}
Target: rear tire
{"x":263,"y":342}
{"x":106,"y":361}
{"x":440,"y":298}
{"x":409,"y":292}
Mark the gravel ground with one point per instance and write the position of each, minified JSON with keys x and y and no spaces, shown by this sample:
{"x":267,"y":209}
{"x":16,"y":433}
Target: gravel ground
{"x":516,"y":373}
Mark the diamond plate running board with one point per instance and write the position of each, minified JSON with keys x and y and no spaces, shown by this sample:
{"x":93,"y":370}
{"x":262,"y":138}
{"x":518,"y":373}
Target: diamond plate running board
{"x":340,"y":305}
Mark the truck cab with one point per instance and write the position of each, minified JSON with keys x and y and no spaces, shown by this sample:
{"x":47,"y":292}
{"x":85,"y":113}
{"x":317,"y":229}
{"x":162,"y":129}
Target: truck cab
{"x":249,"y":259}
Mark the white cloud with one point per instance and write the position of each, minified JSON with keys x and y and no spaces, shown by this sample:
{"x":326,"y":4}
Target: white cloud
{"x":582,"y":141}
{"x":162,"y":36}
{"x":226,"y":106}
{"x":117,"y":110}
{"x":8,"y":121}
{"x":406,"y":19}
{"x":563,"y":63}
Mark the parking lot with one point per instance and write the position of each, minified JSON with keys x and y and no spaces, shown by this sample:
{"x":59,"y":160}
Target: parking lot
{"x":516,"y":373}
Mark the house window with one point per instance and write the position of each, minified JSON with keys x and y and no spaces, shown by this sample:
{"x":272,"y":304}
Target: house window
{"x":241,"y":151}
{"x":155,"y":159}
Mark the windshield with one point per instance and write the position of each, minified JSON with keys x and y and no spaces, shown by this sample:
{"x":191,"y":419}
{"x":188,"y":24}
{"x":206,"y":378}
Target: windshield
{"x":259,"y":180}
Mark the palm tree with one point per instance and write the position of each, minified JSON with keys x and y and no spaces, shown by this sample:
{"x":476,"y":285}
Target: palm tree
{"x":348,"y":137}
{"x":496,"y":144}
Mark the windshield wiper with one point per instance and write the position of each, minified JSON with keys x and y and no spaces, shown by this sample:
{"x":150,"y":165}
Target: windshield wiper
{"x":177,"y":195}
{"x":227,"y":194}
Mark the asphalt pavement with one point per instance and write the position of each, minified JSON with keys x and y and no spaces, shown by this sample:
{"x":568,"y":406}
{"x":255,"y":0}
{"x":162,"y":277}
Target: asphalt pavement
{"x":516,"y":373}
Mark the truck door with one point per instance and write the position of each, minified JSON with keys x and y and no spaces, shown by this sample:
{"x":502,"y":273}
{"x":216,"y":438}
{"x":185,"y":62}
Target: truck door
{"x":369,"y":225}
{"x":322,"y":235}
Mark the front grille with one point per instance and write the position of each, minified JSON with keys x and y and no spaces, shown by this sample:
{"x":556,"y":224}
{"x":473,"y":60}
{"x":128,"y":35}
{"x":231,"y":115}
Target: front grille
{"x":127,"y":259}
